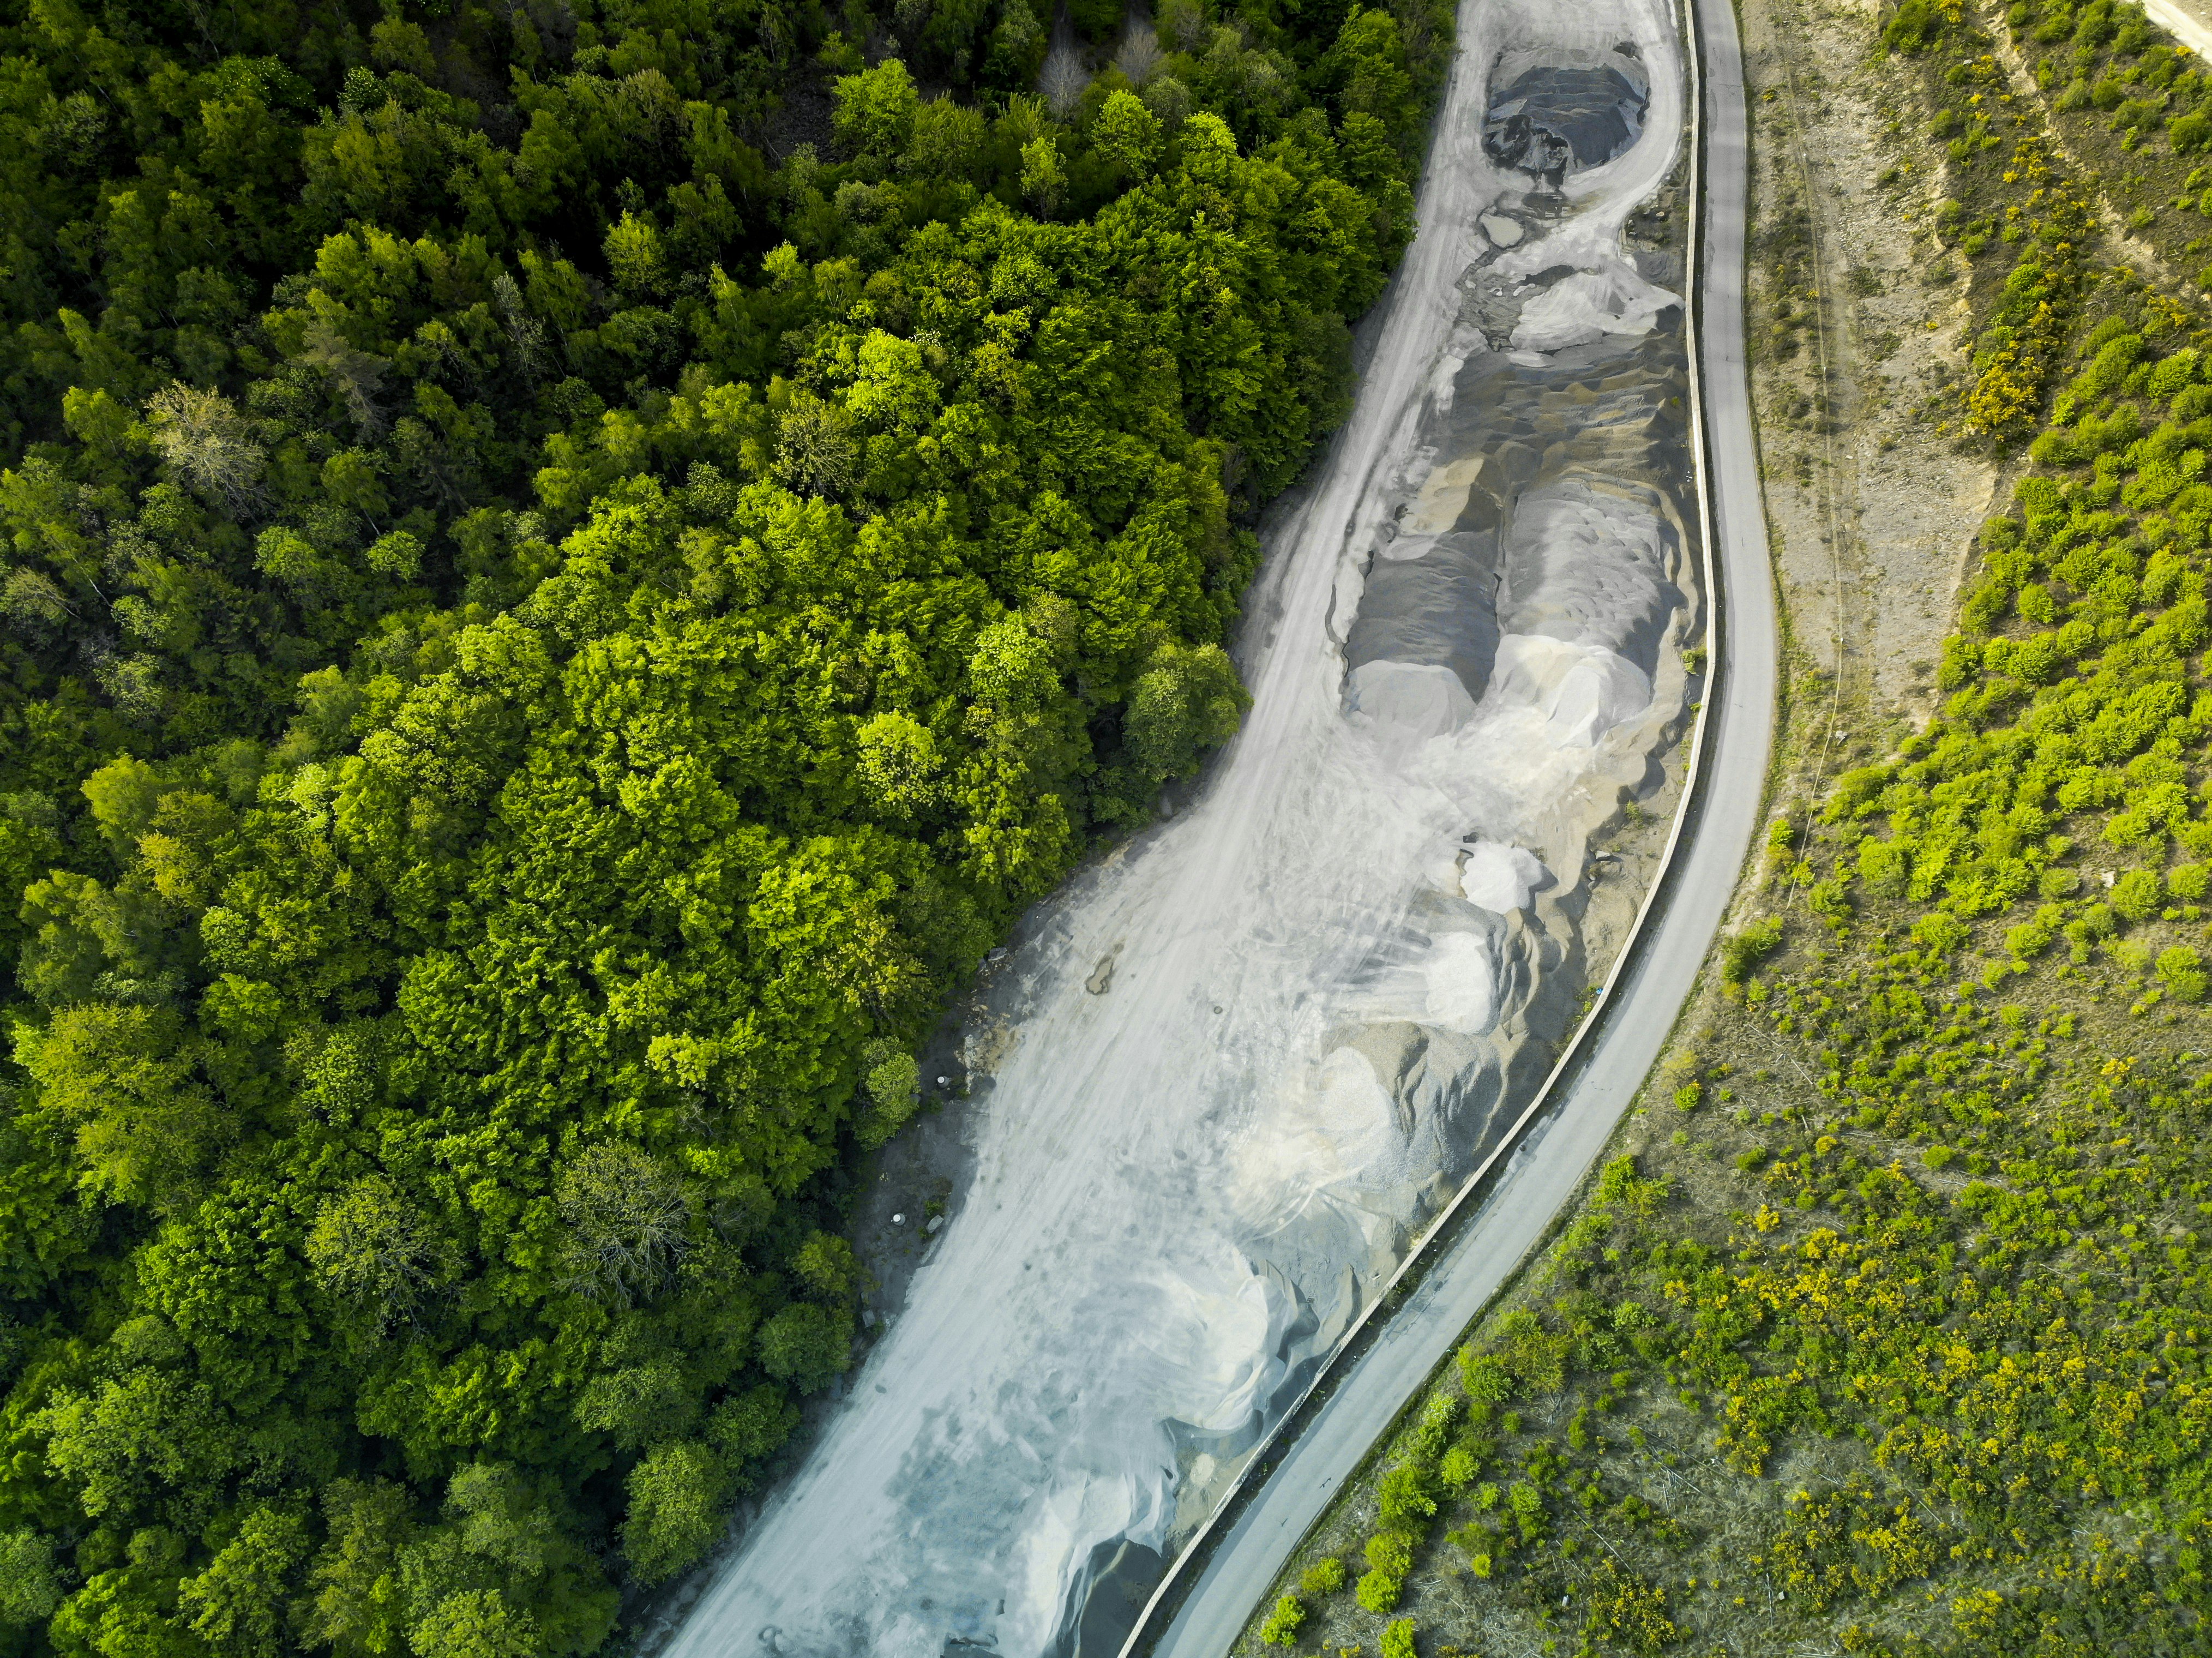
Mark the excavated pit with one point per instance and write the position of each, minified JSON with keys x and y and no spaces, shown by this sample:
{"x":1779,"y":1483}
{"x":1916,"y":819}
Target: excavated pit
{"x":1552,"y":111}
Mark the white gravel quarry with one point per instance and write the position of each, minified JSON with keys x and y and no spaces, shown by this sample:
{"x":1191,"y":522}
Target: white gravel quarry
{"x":1331,"y":973}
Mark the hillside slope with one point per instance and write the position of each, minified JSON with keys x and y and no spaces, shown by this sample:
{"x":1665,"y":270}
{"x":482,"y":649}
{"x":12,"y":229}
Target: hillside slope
{"x":1882,"y":1326}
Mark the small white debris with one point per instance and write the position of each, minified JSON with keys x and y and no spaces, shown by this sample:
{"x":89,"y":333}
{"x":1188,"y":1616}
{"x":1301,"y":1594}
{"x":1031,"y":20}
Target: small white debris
{"x":898,"y":1220}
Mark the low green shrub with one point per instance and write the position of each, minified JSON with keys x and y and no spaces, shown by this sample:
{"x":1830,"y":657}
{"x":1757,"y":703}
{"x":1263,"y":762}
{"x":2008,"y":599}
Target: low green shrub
{"x":1324,"y":1577}
{"x":1281,"y":1629}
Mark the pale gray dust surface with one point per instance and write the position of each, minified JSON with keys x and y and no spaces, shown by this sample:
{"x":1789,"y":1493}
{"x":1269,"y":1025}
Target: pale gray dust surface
{"x":1338,"y":974}
{"x":1226,"y":1581}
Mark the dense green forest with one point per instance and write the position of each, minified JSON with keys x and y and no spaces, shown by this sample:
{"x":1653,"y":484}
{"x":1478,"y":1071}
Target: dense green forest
{"x":1886,"y":1326}
{"x":569,"y":566}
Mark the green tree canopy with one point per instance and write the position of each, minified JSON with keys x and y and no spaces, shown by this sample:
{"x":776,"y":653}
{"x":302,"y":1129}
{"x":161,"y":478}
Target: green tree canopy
{"x":539,"y":645}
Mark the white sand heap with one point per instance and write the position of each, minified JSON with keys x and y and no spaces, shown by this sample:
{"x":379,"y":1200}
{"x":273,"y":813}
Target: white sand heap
{"x":1589,"y":305}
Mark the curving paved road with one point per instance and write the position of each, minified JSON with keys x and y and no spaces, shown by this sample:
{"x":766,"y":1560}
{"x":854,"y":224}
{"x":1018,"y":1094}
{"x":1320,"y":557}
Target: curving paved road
{"x":1543,"y":1171}
{"x":2188,"y":21}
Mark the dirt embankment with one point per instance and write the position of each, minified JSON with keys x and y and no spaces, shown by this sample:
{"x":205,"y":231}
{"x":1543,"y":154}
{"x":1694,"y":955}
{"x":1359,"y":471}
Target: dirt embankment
{"x":1858,"y":317}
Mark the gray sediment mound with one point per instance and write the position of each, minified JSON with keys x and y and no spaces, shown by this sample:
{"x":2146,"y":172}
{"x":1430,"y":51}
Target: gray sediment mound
{"x":1437,"y":610}
{"x":1111,"y":1589}
{"x":1572,"y":450}
{"x":1620,"y":597}
{"x":1548,"y":507}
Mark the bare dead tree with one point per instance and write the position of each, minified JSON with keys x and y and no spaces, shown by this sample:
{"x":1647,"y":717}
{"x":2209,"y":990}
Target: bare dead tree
{"x":356,"y":376}
{"x":1064,"y":78}
{"x":1139,"y":56}
{"x":203,"y":438}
